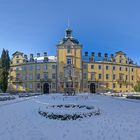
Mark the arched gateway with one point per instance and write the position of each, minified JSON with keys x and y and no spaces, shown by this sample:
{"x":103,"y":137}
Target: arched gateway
{"x":92,"y":88}
{"x":46,"y":88}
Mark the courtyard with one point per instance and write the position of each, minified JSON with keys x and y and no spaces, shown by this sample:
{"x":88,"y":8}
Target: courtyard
{"x":118,"y":118}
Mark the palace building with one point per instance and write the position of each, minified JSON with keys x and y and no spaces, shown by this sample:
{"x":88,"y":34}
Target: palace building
{"x":70,"y":68}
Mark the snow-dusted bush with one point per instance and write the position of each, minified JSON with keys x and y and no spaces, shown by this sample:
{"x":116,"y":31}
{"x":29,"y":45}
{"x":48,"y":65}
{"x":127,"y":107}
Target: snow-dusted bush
{"x":69,"y":112}
{"x":5,"y":98}
{"x":133,"y":97}
{"x":28,"y":94}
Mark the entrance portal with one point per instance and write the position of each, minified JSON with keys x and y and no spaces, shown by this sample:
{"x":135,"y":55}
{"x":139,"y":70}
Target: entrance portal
{"x":92,"y":88}
{"x":46,"y":88}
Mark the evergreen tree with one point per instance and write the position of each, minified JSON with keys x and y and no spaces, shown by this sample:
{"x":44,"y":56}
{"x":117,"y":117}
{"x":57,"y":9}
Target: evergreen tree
{"x":137,"y":86}
{"x":4,"y":70}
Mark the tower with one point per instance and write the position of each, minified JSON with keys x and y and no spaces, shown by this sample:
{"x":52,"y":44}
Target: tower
{"x":69,"y":55}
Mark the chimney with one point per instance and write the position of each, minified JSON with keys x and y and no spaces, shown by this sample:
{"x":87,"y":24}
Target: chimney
{"x":25,"y":56}
{"x":93,"y":54}
{"x":99,"y":54}
{"x":112,"y":55}
{"x":45,"y":54}
{"x":105,"y":55}
{"x":31,"y":57}
{"x":45,"y":57}
{"x":86,"y":53}
{"x":38,"y":54}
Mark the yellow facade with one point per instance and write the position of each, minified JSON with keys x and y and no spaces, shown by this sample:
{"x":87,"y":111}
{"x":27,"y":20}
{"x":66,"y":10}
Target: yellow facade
{"x":83,"y":73}
{"x":69,"y":50}
{"x":30,"y":76}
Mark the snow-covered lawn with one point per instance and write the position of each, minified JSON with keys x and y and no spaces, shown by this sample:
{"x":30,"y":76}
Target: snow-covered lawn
{"x":119,"y":119}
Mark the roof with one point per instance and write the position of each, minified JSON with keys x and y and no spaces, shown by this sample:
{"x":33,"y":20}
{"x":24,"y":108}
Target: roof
{"x":50,"y":59}
{"x":120,"y":52}
{"x":17,"y":52}
{"x":96,"y":58}
{"x":68,"y":36}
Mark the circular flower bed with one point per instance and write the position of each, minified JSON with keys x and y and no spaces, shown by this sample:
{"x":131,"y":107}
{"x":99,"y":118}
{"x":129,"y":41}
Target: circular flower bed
{"x":68,"y":112}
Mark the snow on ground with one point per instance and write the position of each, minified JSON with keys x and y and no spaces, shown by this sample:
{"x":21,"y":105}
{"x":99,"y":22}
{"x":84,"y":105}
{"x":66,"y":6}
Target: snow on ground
{"x":119,"y":119}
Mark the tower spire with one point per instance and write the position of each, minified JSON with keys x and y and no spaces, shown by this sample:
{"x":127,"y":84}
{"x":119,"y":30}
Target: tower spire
{"x":68,"y":23}
{"x":68,"y":30}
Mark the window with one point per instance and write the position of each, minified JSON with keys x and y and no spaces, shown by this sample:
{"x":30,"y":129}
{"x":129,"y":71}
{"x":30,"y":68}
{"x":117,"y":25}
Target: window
{"x":68,"y":49}
{"x":53,"y":85}
{"x":132,"y":78}
{"x":120,"y":85}
{"x":38,"y":76}
{"x":53,"y":76}
{"x":23,"y":85}
{"x":17,"y":61}
{"x":126,"y":86}
{"x":23,"y":68}
{"x":92,"y":76}
{"x":100,"y":76}
{"x":114,"y":85}
{"x":38,"y":67}
{"x":53,"y":66}
{"x":85,"y":85}
{"x":24,"y":77}
{"x":126,"y":69}
{"x":92,"y":66}
{"x":85,"y":76}
{"x":31,"y":68}
{"x":107,"y":67}
{"x":84,"y":66}
{"x":114,"y":67}
{"x":17,"y":68}
{"x":69,"y":60}
{"x":17,"y":76}
{"x":107,"y":76}
{"x":120,"y":61}
{"x":38,"y":85}
{"x":126,"y":77}
{"x":132,"y":70}
{"x":114,"y":76}
{"x":120,"y":68}
{"x":17,"y":56}
{"x":99,"y":67}
{"x":121,"y":76}
{"x":45,"y":76}
{"x":30,"y":86}
{"x":16,"y":86}
{"x":45,"y":67}
{"x":30,"y":76}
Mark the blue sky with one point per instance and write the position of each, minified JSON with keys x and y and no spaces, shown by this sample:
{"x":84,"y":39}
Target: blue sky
{"x":103,"y":26}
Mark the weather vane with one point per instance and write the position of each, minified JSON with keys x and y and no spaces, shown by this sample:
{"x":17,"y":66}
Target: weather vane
{"x":68,"y":22}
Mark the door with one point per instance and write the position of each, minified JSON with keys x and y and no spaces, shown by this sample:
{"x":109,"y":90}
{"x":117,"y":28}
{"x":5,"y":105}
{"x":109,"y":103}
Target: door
{"x":46,"y":88}
{"x":92,"y":88}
